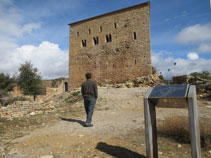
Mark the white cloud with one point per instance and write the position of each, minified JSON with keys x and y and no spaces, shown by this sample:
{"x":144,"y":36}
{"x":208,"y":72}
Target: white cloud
{"x":182,"y":67}
{"x":11,"y":22}
{"x":192,"y":56}
{"x":205,"y":47}
{"x":51,"y":61}
{"x":194,"y":34}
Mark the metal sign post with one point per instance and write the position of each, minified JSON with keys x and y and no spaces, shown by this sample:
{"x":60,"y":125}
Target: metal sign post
{"x":186,"y":93}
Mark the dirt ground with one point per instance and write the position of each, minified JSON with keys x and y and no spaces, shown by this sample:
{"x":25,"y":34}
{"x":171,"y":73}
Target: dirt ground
{"x":118,"y":130}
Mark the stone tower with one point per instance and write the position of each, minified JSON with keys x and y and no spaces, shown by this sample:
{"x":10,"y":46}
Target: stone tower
{"x":114,"y":47}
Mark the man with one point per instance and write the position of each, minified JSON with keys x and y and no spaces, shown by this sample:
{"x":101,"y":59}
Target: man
{"x":90,"y":94}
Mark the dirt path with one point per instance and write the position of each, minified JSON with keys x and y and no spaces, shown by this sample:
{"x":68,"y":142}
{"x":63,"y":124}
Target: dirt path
{"x":118,"y":131}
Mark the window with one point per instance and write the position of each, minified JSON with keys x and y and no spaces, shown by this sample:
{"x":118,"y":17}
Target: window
{"x":83,"y":43}
{"x":101,"y":28}
{"x":115,"y":25}
{"x":77,"y":34}
{"x":89,"y":31}
{"x":135,"y":62}
{"x":134,"y":35}
{"x":96,"y":40}
{"x":108,"y":38}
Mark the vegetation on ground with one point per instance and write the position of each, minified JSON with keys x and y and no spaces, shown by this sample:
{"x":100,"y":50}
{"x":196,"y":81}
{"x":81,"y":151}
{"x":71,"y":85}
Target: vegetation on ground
{"x":177,"y":127}
{"x":162,"y":79}
{"x":29,"y":80}
{"x":71,"y":96}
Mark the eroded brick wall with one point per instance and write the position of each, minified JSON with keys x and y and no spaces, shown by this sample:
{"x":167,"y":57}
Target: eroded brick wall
{"x":126,"y":56}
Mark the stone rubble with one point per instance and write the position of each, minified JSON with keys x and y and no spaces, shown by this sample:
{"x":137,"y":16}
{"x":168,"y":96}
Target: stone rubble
{"x":203,"y":86}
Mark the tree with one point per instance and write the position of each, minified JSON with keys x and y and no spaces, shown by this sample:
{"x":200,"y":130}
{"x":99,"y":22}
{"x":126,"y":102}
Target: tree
{"x":29,"y":80}
{"x":162,"y":79}
{"x":6,"y":82}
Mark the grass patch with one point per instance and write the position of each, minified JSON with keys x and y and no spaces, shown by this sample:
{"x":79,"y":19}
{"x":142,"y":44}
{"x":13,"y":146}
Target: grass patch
{"x":72,"y":96}
{"x":177,"y":127}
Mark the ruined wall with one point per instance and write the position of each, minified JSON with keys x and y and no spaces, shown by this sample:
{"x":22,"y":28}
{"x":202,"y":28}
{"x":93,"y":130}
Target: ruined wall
{"x":126,"y":56}
{"x":25,"y":108}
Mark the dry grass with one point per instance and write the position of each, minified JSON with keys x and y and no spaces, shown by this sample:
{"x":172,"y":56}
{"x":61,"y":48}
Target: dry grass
{"x":177,"y":127}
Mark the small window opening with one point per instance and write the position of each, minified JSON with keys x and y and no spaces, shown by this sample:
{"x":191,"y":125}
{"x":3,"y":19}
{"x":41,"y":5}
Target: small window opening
{"x":83,"y":43}
{"x":135,"y":62}
{"x":134,"y":35}
{"x":96,"y":40}
{"x":66,"y":86}
{"x":108,"y":38}
{"x":89,"y":31}
{"x":77,"y":34}
{"x":115,"y":25}
{"x":101,"y":28}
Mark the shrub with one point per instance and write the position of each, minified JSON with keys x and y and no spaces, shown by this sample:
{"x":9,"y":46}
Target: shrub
{"x":72,"y":95}
{"x":177,"y":127}
{"x":162,"y":79}
{"x":154,"y":71}
{"x":76,"y":93}
{"x":6,"y":82}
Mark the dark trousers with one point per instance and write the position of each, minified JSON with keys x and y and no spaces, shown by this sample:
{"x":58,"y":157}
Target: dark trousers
{"x":89,"y":104}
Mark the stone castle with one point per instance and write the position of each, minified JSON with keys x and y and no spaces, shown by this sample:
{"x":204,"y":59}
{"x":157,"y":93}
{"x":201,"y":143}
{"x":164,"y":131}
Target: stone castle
{"x":114,"y":47}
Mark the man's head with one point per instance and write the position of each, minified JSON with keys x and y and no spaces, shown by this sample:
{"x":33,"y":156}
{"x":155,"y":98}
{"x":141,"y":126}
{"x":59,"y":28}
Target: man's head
{"x":88,"y":75}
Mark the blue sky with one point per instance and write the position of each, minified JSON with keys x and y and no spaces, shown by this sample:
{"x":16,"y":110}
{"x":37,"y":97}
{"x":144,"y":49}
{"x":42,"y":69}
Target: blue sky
{"x":38,"y":31}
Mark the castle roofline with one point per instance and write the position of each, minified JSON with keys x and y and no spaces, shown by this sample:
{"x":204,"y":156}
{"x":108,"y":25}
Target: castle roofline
{"x":110,"y":13}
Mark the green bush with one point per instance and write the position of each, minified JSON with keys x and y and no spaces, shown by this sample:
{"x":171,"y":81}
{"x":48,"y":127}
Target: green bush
{"x":71,"y":96}
{"x":162,"y":79}
{"x":154,"y":71}
{"x":6,"y":82}
{"x":76,"y":93}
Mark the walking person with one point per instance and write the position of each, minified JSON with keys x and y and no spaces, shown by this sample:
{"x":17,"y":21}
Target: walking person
{"x":90,"y":94}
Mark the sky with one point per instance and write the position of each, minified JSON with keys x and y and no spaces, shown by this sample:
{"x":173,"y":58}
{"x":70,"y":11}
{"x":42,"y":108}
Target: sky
{"x":38,"y":31}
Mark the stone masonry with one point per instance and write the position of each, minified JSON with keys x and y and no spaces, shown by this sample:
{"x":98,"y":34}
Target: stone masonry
{"x":114,"y":47}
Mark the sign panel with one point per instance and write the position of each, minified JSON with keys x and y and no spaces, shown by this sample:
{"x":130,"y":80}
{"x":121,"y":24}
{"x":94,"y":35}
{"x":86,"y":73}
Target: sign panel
{"x":169,"y":91}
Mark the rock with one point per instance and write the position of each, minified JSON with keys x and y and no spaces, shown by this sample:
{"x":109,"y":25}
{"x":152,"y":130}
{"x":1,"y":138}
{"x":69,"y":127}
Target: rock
{"x":47,"y":156}
{"x":160,"y":153}
{"x":209,"y":151}
{"x":179,"y":145}
{"x":203,"y":86}
{"x":32,"y":113}
{"x":129,"y":85}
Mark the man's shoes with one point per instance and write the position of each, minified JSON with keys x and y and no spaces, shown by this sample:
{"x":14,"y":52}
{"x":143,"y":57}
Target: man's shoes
{"x":88,"y":125}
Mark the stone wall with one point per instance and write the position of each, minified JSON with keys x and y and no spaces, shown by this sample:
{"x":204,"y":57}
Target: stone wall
{"x":126,"y":56}
{"x":42,"y":104}
{"x":24,"y":108}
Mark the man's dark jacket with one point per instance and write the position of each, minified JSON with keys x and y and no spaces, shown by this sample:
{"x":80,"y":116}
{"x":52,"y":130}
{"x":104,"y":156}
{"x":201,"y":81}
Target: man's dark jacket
{"x":89,"y":89}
